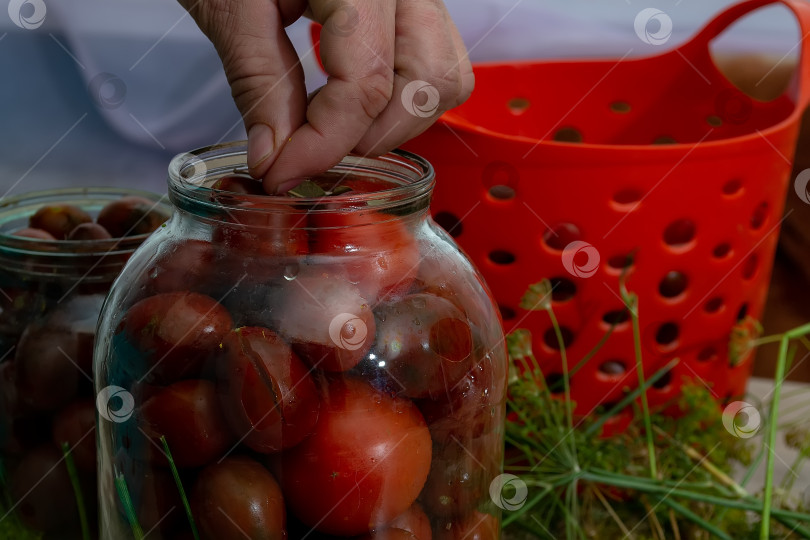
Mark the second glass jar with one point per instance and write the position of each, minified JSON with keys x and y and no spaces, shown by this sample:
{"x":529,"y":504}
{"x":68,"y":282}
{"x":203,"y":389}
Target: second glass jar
{"x":300,"y":367}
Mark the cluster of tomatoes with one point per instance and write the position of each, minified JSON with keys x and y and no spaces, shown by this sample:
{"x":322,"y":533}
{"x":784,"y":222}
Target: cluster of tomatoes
{"x":47,"y":330}
{"x":313,"y":375}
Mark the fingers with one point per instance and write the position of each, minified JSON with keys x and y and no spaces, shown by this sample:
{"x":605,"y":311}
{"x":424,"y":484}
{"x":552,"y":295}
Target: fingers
{"x":357,"y":48}
{"x":433,"y":75}
{"x":266,"y":78}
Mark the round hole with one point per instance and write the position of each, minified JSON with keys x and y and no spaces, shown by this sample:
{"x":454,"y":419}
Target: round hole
{"x":518,"y":105}
{"x":620,"y":107}
{"x":507,"y":313}
{"x":707,"y":354}
{"x":555,"y":384}
{"x":673,"y":284}
{"x":750,"y":266}
{"x":500,"y":256}
{"x":500,"y":173}
{"x":616,"y":317}
{"x":721,"y":251}
{"x":628,"y":196}
{"x":667,"y":334}
{"x":502,"y":192}
{"x":664,"y":381}
{"x":714,"y":305}
{"x":568,"y":134}
{"x":743,"y":312}
{"x":732,"y":186}
{"x":665,"y":139}
{"x":562,"y":289}
{"x":559,"y":236}
{"x":760,"y":216}
{"x":449,"y":222}
{"x":620,"y":262}
{"x":613,"y":368}
{"x":679,"y":233}
{"x":550,"y":338}
{"x":714,"y":121}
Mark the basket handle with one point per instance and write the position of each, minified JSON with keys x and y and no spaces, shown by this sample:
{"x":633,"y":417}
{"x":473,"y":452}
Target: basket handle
{"x":699,"y":44}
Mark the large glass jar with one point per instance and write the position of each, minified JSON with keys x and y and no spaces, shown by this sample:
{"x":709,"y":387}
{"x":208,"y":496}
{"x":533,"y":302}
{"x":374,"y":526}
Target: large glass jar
{"x":318,"y":367}
{"x":51,"y":293}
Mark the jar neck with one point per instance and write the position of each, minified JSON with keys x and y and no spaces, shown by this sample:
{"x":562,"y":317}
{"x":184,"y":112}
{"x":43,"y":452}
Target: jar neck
{"x":191,"y":176}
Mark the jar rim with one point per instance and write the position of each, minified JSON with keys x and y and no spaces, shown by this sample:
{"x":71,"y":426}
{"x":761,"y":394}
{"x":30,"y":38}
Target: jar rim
{"x":21,"y":205}
{"x":192,"y":173}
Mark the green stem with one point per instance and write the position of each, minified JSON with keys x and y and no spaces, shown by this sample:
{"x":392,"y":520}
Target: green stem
{"x":764,"y":531}
{"x":126,"y":502}
{"x":694,"y":518}
{"x":182,"y":491}
{"x":569,"y":410}
{"x":77,"y":490}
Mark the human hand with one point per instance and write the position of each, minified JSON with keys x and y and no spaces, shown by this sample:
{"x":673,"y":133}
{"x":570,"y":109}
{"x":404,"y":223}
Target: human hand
{"x":371,"y":51}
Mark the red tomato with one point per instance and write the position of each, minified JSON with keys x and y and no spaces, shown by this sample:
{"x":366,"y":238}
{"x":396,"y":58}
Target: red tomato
{"x":415,"y":521}
{"x":239,"y":184}
{"x":377,"y":250}
{"x":130,"y":216}
{"x":154,"y":496}
{"x":326,"y":320}
{"x":177,"y":332}
{"x":476,"y":526}
{"x":58,"y":219}
{"x":425,"y":344}
{"x":392,"y":533}
{"x":29,"y":232}
{"x":238,"y":498}
{"x":187,"y":413}
{"x":189,"y":265}
{"x":89,"y":231}
{"x":363,"y":466}
{"x":268,"y":396}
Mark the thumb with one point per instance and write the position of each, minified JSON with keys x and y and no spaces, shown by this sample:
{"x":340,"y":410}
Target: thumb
{"x":263,"y":70}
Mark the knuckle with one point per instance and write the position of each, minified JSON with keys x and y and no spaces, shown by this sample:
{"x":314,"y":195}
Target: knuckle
{"x":375,"y":92}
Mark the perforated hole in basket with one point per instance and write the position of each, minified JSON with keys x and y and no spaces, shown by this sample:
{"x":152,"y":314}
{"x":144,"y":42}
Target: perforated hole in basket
{"x":560,"y":235}
{"x":449,"y":222}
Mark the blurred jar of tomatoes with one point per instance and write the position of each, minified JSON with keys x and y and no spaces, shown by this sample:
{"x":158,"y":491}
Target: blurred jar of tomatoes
{"x":322,"y":364}
{"x":58,"y":259}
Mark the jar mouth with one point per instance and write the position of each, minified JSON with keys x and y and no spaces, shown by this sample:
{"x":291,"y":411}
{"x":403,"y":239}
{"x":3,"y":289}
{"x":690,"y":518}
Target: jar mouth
{"x":15,"y":211}
{"x":191,"y":175}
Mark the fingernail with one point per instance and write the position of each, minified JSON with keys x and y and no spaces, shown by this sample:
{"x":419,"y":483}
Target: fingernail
{"x":260,"y":144}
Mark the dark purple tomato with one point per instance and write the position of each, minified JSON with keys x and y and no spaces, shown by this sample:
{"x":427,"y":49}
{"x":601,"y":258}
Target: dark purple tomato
{"x":177,"y":332}
{"x":130,"y":216}
{"x":89,"y":231}
{"x":476,"y":526}
{"x":187,"y":413}
{"x":268,"y":395}
{"x":58,"y":219}
{"x":188,"y":265}
{"x":391,"y":533}
{"x":40,"y":488}
{"x":238,"y":498}
{"x":326,"y":320}
{"x":424,"y":343}
{"x":38,"y":234}
{"x":415,"y":521}
{"x":76,"y":426}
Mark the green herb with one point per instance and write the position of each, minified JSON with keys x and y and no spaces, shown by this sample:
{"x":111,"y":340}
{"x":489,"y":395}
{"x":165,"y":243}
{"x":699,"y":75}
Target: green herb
{"x":307,"y":190}
{"x":126,"y":502}
{"x":77,"y":490}
{"x":182,"y":491}
{"x":660,"y":477}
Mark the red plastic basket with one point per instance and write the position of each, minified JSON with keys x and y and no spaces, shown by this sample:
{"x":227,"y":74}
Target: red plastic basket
{"x":667,"y":161}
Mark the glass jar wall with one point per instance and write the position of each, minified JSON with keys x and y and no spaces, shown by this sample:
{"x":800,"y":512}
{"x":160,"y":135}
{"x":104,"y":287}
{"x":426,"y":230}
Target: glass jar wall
{"x":324,"y":367}
{"x":51,"y":293}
